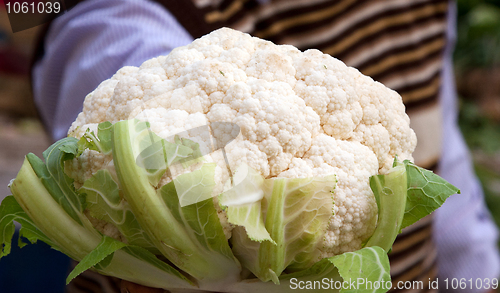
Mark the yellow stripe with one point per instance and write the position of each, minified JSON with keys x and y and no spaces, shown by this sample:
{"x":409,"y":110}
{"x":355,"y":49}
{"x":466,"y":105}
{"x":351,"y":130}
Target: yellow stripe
{"x":408,"y":17}
{"x":414,"y":262}
{"x":430,"y":275}
{"x":423,"y":92}
{"x":216,"y":16}
{"x":411,"y":240}
{"x":404,"y":57}
{"x":303,"y":19}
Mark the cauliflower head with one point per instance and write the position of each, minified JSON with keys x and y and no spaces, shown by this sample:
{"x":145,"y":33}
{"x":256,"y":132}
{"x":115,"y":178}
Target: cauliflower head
{"x":301,"y":114}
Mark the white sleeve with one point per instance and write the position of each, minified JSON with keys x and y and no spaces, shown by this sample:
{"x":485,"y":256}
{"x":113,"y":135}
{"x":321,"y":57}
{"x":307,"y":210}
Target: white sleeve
{"x":88,"y":44}
{"x":464,"y":232}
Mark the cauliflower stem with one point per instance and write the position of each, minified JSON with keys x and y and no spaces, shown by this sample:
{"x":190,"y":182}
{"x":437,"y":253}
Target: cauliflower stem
{"x":195,"y":253}
{"x":390,"y":192}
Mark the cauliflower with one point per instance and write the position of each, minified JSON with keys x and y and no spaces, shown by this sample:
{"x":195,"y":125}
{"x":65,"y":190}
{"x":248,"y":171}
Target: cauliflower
{"x":230,"y":165}
{"x":301,"y":114}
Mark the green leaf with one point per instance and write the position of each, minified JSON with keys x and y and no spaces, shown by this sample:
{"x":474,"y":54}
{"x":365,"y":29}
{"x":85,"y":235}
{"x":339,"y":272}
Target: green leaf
{"x":426,"y":192}
{"x":102,"y":256}
{"x":201,"y":225}
{"x":7,"y":215}
{"x":195,"y":186}
{"x":153,"y":153}
{"x":68,"y":148}
{"x":195,"y":157}
{"x":250,"y":217}
{"x":358,"y":271}
{"x":11,"y":211}
{"x":104,"y":134}
{"x":106,"y":248}
{"x":105,"y":203}
{"x":199,"y":220}
{"x":100,"y":143}
{"x":405,"y":195}
{"x":297,"y":213}
{"x":188,"y":237}
{"x":62,"y":232}
{"x":368,"y":264}
{"x":146,"y":256}
{"x":58,"y":184}
{"x":243,"y":204}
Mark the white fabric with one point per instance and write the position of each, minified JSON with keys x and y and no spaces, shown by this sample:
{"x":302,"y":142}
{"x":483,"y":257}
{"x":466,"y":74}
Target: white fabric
{"x":97,"y":37}
{"x":465,"y":234}
{"x":89,"y":44}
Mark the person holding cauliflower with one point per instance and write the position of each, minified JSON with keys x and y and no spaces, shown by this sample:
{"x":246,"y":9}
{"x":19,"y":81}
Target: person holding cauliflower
{"x":301,"y":115}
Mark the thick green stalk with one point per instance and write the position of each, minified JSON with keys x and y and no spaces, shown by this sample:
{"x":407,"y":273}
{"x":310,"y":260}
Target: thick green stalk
{"x":390,"y":191}
{"x":272,"y":255}
{"x":155,"y":217}
{"x":78,"y":240}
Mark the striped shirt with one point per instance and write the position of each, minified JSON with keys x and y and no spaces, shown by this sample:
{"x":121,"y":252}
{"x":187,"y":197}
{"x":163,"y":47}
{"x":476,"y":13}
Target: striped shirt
{"x":398,"y":42}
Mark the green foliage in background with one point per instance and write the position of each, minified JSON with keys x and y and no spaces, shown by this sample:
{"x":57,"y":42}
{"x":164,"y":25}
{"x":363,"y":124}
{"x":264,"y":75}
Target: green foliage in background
{"x":478,"y":34}
{"x":490,"y":180}
{"x":478,"y":46}
{"x":483,"y":137}
{"x":480,"y":132}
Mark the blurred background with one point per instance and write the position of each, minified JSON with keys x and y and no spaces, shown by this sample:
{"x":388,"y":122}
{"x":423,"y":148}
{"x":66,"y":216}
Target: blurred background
{"x":21,"y":133}
{"x":477,"y":66}
{"x":477,"y":71}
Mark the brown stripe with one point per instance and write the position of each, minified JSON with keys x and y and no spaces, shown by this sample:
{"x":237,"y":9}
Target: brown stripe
{"x":407,"y":69}
{"x":248,"y":9}
{"x":299,"y":20}
{"x":400,"y":258}
{"x":390,"y":40}
{"x":224,"y":12}
{"x":413,"y":76}
{"x":366,"y":22}
{"x":401,"y":17}
{"x":390,"y":32}
{"x":424,"y":94}
{"x":432,"y":164}
{"x":432,"y":275}
{"x":322,"y":30}
{"x":411,"y":275}
{"x":423,"y":102}
{"x":423,"y":282}
{"x":414,"y":256}
{"x":421,"y":58}
{"x":411,"y":87}
{"x":397,"y":52}
{"x":304,"y":8}
{"x":225,"y":4}
{"x":409,"y":242}
{"x":433,"y":167}
{"x":189,"y":16}
{"x":418,"y":52}
{"x":419,"y":225}
{"x":416,"y":262}
{"x":331,"y":12}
